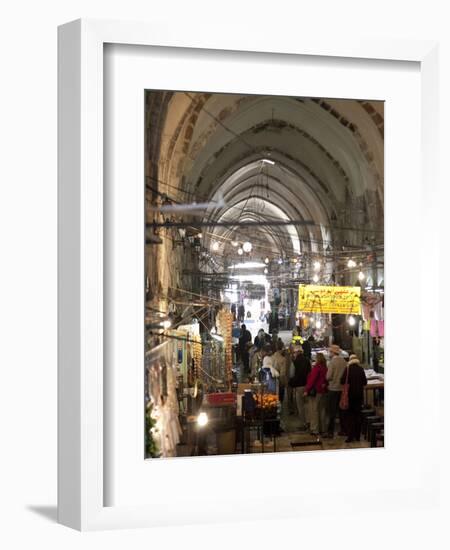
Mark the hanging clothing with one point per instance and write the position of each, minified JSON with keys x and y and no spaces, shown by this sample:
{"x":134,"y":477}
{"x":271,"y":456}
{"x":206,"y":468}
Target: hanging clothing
{"x":373,"y":328}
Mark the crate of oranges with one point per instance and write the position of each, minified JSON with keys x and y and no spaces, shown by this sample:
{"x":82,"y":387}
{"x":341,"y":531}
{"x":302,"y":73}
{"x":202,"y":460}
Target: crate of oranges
{"x":266,"y":403}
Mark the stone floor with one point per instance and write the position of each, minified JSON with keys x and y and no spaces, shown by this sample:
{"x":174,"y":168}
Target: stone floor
{"x":293,"y":439}
{"x":290,"y":440}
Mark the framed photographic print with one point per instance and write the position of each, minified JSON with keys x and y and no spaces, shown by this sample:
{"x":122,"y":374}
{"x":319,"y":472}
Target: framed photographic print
{"x":232,"y":296}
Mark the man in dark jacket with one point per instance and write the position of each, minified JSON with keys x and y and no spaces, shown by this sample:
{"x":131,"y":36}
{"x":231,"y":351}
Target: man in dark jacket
{"x":241,"y":312}
{"x":262,"y":338}
{"x":244,"y":339}
{"x":355,"y":376}
{"x":302,"y":367}
{"x":306,"y":345}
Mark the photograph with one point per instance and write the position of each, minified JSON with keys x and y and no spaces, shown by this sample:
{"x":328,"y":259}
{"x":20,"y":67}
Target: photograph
{"x":264,"y":274}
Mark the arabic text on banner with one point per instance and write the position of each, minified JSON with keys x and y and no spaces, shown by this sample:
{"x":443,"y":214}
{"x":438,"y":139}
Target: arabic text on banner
{"x":329,"y":299}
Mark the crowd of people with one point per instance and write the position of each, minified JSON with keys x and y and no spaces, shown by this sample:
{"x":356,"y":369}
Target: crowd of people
{"x":311,"y":389}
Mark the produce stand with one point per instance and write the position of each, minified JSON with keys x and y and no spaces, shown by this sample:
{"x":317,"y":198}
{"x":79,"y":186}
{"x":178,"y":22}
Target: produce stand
{"x":259,"y":411}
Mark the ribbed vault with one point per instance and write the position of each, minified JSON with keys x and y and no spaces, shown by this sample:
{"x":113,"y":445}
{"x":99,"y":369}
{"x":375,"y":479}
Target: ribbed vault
{"x":262,"y":158}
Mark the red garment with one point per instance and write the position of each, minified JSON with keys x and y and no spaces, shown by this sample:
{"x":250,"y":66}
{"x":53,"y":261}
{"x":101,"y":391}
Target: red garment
{"x":317,"y":379}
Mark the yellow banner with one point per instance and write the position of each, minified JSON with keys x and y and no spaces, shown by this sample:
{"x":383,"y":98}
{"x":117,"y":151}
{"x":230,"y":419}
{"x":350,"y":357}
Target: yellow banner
{"x":329,"y":299}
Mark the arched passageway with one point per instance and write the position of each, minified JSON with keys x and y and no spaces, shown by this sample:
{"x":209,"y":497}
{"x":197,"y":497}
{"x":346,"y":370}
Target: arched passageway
{"x":249,"y":197}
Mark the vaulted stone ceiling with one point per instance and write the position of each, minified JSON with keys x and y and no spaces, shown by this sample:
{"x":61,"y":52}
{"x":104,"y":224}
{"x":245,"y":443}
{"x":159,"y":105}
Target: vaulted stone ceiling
{"x":328,"y":166}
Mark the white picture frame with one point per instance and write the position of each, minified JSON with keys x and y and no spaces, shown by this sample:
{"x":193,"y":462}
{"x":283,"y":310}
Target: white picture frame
{"x":81,"y":480}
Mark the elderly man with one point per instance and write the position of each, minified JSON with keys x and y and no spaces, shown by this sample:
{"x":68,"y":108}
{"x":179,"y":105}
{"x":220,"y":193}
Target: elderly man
{"x":336,"y":368}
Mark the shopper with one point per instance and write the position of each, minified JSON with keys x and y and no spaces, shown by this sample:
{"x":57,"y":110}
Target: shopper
{"x":356,"y":377}
{"x":376,"y":353}
{"x":244,"y":338}
{"x":269,"y":375}
{"x":262,"y":338}
{"x":233,"y":311}
{"x":275,"y":340}
{"x":316,"y":390}
{"x":290,"y":390}
{"x":336,"y":368}
{"x":274,"y":322}
{"x":281,"y":362}
{"x":241,"y":312}
{"x":307,"y":347}
{"x":258,"y":357}
{"x":302,"y":369}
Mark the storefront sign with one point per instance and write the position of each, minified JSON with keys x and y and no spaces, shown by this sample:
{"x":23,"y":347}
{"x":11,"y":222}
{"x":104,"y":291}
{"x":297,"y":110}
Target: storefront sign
{"x":329,"y":299}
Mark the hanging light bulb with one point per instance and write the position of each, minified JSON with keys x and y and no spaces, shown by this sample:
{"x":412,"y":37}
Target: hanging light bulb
{"x":361,"y":276}
{"x":316,"y":278}
{"x":316,"y":266}
{"x":247,"y":246}
{"x":351,"y":263}
{"x":266,"y":261}
{"x":234,"y":243}
{"x":240,"y":251}
{"x":280,"y":261}
{"x":351,"y":321}
{"x":215,"y":246}
{"x":266,"y":271}
{"x":318,"y":323}
{"x":167,"y":324}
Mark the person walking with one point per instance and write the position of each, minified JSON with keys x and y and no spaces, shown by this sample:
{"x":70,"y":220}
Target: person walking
{"x":269,"y":375}
{"x":307,"y":348}
{"x":355,"y":377}
{"x":241,"y":312}
{"x":244,"y":339}
{"x":302,"y":369}
{"x":257,"y":359}
{"x":233,"y":311}
{"x":281,"y":362}
{"x":316,"y":389}
{"x":336,"y":368}
{"x":275,"y":340}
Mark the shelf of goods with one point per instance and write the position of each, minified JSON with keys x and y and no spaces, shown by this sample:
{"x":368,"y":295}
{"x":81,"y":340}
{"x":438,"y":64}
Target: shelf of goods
{"x":225,"y":327}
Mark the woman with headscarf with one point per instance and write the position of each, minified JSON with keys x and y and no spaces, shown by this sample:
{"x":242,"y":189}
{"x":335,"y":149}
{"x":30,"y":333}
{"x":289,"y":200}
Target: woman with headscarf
{"x":355,"y":377}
